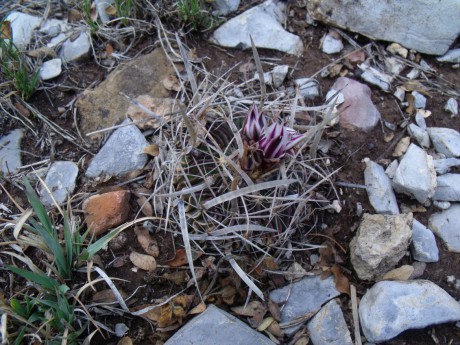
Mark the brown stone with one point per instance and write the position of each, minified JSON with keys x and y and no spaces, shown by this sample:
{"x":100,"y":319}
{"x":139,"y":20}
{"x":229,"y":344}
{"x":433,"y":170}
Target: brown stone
{"x":106,"y":211}
{"x":105,"y":107}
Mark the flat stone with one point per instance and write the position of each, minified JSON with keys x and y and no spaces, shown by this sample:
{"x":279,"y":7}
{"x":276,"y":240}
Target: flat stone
{"x":415,"y":175}
{"x":419,"y":99}
{"x":357,"y":111}
{"x":265,"y":24}
{"x":224,"y":7}
{"x":214,"y":326}
{"x":391,"y":307}
{"x":400,"y":94}
{"x":446,"y":225}
{"x":328,"y":326}
{"x":279,"y":73}
{"x":22,"y":26}
{"x":381,"y":241}
{"x":308,"y":87}
{"x":74,"y":50}
{"x":303,"y":297}
{"x":445,"y":141}
{"x":331,"y":44}
{"x":379,"y":189}
{"x":448,"y":188}
{"x":122,"y":153}
{"x":451,"y":56}
{"x":388,"y":21}
{"x":452,"y":106}
{"x":10,"y":151}
{"x":442,"y":205}
{"x":106,"y":211}
{"x":60,"y":180}
{"x":104,"y":106}
{"x":423,"y":246}
{"x":375,"y":77}
{"x":51,"y":69}
{"x":419,"y":134}
{"x":443,"y":165}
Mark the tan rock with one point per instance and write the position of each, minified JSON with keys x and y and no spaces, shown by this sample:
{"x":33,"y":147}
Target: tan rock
{"x":105,"y":211}
{"x":162,"y":107}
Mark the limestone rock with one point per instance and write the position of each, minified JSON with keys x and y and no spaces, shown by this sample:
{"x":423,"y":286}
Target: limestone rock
{"x":331,"y":43}
{"x":381,"y":241}
{"x":74,"y":50}
{"x":60,"y":180}
{"x":445,"y":224}
{"x":451,"y":56}
{"x":224,"y":7}
{"x":423,"y":246}
{"x":448,"y":188}
{"x":442,"y":166}
{"x":279,"y":73}
{"x":308,"y":87}
{"x":50,"y":69}
{"x":10,"y":151}
{"x":445,"y":141}
{"x":22,"y":27}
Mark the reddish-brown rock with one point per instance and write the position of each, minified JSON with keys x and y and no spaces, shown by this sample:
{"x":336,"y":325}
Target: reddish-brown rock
{"x":106,"y":211}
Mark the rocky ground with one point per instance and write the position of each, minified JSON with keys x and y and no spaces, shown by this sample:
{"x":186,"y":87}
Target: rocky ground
{"x":359,"y":240}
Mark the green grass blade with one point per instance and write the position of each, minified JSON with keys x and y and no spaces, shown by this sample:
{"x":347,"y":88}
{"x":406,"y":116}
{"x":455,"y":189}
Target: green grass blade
{"x":40,"y":279}
{"x":38,"y":206}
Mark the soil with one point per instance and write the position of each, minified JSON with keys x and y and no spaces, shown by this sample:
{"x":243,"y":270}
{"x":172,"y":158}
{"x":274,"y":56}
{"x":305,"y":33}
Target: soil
{"x":347,"y":152}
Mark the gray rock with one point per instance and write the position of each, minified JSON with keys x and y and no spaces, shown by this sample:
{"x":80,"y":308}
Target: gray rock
{"x":53,"y":27}
{"x":415,"y":175}
{"x":448,"y":188}
{"x":443,"y":165}
{"x":451,"y":56}
{"x":420,"y":100}
{"x":419,"y":134}
{"x":279,"y":73}
{"x":423,"y":246}
{"x":414,"y":73}
{"x":74,"y":50}
{"x":22,"y":26}
{"x":268,"y":77}
{"x":328,"y":326}
{"x":420,"y":120}
{"x":308,"y":87}
{"x":381,"y":241}
{"x":214,"y":326}
{"x":101,"y":7}
{"x":357,"y":111}
{"x":10,"y":151}
{"x":224,"y":7}
{"x":445,"y":224}
{"x":442,"y":205}
{"x":393,"y":66}
{"x":419,"y":269}
{"x":379,"y":190}
{"x":391,"y":307}
{"x":331,"y":44}
{"x":452,"y":106}
{"x":400,"y":94}
{"x":51,"y":69}
{"x":60,"y":180}
{"x":264,"y":24}
{"x":388,"y":21}
{"x":55,"y":41}
{"x":122,"y":153}
{"x":303,"y":297}
{"x":445,"y":141}
{"x":375,"y":77}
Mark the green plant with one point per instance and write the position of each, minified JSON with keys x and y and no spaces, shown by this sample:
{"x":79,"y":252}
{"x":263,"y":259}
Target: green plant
{"x":14,"y":69}
{"x":193,"y":13}
{"x":124,"y":10}
{"x":90,"y":15}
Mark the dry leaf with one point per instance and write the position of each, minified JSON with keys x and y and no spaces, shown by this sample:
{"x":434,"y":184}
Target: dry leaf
{"x":111,"y":10}
{"x":181,"y":258}
{"x":414,"y":85}
{"x":174,"y":311}
{"x":303,"y":341}
{"x":198,"y":309}
{"x":254,"y":309}
{"x":171,"y":83}
{"x":228,"y":294}
{"x":146,"y":206}
{"x":162,"y":107}
{"x":152,"y":150}
{"x":295,"y":271}
{"x":275,"y":329}
{"x":265,"y":324}
{"x":125,"y":341}
{"x":274,"y":310}
{"x":106,"y":296}
{"x":93,"y":12}
{"x":5,"y":30}
{"x":401,"y":273}
{"x":401,"y":147}
{"x":22,"y":109}
{"x":109,"y":50}
{"x":388,"y":137}
{"x":153,"y":314}
{"x":411,"y":107}
{"x":42,"y":52}
{"x":74,"y":15}
{"x":142,"y":261}
{"x":149,"y":244}
{"x":341,"y":282}
{"x":178,"y":277}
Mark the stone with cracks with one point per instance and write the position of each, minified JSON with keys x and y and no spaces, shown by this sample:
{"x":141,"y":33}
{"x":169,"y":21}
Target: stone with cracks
{"x":404,"y":22}
{"x":328,"y":326}
{"x":381,"y":241}
{"x":423,"y":246}
{"x":303,"y":297}
{"x":60,"y":181}
{"x":448,"y":188}
{"x":446,"y":225}
{"x":10,"y":151}
{"x":265,"y":24}
{"x":391,"y":307}
{"x":445,"y":141}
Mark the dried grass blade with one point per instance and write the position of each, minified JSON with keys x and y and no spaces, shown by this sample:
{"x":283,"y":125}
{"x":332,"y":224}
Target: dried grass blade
{"x":246,"y":190}
{"x":241,"y":227}
{"x":186,"y":238}
{"x":188,"y":67}
{"x":245,"y":278}
{"x":20,"y":223}
{"x":260,"y":71}
{"x":112,"y":287}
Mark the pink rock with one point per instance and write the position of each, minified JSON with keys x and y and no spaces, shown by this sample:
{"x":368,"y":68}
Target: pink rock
{"x":357,"y":111}
{"x":105,"y":211}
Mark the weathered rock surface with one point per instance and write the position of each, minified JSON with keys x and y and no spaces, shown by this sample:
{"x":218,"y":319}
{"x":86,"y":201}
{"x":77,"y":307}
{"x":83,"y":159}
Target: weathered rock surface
{"x":381,"y":241}
{"x":375,"y":76}
{"x":379,"y":189}
{"x":331,"y":44}
{"x":389,"y":21}
{"x":452,"y":106}
{"x":423,"y":246}
{"x":104,"y":106}
{"x":445,"y":141}
{"x":10,"y":151}
{"x":357,"y":111}
{"x":162,"y":107}
{"x":22,"y":26}
{"x":279,"y":73}
{"x":415,"y":175}
{"x":264,"y":24}
{"x":214,"y":326}
{"x":448,"y":188}
{"x":446,"y":225}
{"x":105,"y":211}
{"x":60,"y":180}
{"x":328,"y":326}
{"x":303,"y":297}
{"x":50,"y":69}
{"x":122,"y":153}
{"x":74,"y":50}
{"x":224,"y":7}
{"x":451,"y":56}
{"x":442,"y":166}
{"x":391,"y":307}
{"x":308,"y":87}
{"x":419,"y":134}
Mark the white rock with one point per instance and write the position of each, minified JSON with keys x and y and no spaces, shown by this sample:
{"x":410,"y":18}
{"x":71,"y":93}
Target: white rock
{"x":60,"y":180}
{"x":224,"y":7}
{"x":51,"y":69}
{"x":53,"y":27}
{"x":420,"y":100}
{"x":402,"y":22}
{"x":414,"y":73}
{"x":442,"y":205}
{"x":74,"y":50}
{"x":423,"y":246}
{"x":264,"y":24}
{"x":416,"y":175}
{"x":400,"y":94}
{"x":331,"y":44}
{"x":419,"y":134}
{"x":378,"y":186}
{"x":393,"y":65}
{"x":101,"y":7}
{"x":445,"y":141}
{"x":381,"y":241}
{"x":391,"y":169}
{"x":279,"y":73}
{"x":22,"y":26}
{"x":451,"y":56}
{"x":420,"y":119}
{"x":376,"y":77}
{"x":445,"y":224}
{"x":391,"y":307}
{"x":452,"y":106}
{"x":308,"y":87}
{"x":268,"y":78}
{"x":55,"y":41}
{"x":10,"y":151}
{"x":443,"y":165}
{"x":448,"y":188}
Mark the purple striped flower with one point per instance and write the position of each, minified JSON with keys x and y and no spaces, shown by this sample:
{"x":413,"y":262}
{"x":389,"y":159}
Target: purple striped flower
{"x":254,"y":124}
